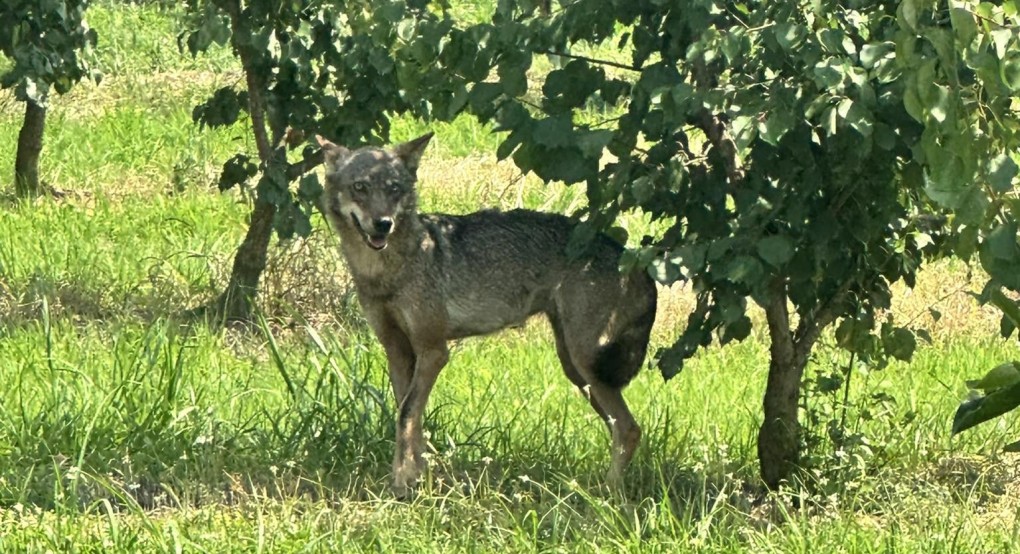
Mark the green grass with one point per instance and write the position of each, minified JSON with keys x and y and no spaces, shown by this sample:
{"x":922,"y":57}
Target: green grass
{"x":124,"y":428}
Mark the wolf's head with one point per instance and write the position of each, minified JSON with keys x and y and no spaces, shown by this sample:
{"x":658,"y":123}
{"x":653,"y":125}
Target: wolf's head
{"x":371,"y":190}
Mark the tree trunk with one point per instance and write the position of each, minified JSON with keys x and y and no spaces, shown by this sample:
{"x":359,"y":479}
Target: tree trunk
{"x":779,"y":435}
{"x":238,"y":299}
{"x":26,"y":162}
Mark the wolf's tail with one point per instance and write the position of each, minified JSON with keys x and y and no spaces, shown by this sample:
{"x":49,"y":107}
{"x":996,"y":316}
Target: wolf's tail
{"x":618,"y":362}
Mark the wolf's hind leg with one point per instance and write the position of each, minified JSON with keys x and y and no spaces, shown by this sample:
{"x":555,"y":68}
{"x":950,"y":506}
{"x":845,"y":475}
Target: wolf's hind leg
{"x":625,"y":430}
{"x":607,"y":399}
{"x":571,"y":372}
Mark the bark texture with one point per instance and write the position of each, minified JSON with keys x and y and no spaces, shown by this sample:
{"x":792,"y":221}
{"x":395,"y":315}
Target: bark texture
{"x":26,"y":161}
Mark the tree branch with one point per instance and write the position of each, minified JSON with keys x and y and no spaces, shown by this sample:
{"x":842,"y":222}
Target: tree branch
{"x":719,"y":137}
{"x":596,"y":61}
{"x":307,"y":164}
{"x":811,"y":326}
{"x":778,"y":317}
{"x":714,"y":127}
{"x":256,"y":104}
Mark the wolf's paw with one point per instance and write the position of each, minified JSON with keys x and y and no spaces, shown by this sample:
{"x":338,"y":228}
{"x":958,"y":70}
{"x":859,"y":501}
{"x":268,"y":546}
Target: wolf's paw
{"x":405,"y":480}
{"x":616,"y":482}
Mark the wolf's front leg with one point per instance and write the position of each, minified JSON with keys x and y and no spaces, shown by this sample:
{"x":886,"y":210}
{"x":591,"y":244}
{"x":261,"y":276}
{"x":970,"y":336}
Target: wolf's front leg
{"x":408,"y":462}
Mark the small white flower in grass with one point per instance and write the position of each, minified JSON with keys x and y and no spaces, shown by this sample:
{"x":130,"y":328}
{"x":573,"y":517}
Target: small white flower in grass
{"x":273,"y":469}
{"x":525,"y":479}
{"x":487,"y":460}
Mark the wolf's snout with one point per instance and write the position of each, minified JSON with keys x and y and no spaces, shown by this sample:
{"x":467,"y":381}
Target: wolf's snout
{"x":383,"y":225}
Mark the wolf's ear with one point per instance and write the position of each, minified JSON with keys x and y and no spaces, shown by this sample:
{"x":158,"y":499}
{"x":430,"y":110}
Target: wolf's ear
{"x":410,"y":152}
{"x":334,"y":153}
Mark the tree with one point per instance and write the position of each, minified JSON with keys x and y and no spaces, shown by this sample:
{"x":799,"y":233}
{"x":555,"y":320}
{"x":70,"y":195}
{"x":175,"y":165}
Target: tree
{"x":337,"y":69}
{"x":974,"y":144}
{"x":47,"y":41}
{"x":797,"y":154}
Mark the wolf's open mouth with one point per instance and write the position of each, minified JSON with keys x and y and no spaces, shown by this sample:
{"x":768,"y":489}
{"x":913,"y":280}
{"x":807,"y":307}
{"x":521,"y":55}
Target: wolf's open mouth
{"x":375,"y":242}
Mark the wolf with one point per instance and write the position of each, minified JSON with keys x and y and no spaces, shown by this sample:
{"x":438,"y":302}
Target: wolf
{"x":423,"y":280}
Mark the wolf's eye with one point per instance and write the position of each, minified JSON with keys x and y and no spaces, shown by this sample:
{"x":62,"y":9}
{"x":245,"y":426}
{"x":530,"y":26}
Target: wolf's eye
{"x":359,"y":186}
{"x":394,"y":188}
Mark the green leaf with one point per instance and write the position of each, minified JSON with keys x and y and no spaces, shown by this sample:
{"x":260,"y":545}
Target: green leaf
{"x":776,"y":250}
{"x":1002,"y":375}
{"x":964,"y":25}
{"x":571,"y":86}
{"x":236,"y":170}
{"x":912,"y":103}
{"x":1000,"y":39}
{"x":978,"y":410}
{"x":939,"y":103}
{"x":851,"y":334}
{"x":510,"y":116}
{"x":857,"y":116}
{"x":1000,"y":255}
{"x":790,"y":35}
{"x":1001,"y":171}
{"x":1006,"y":326}
{"x":776,"y":124}
{"x":945,"y":184}
{"x":907,"y":13}
{"x":392,"y":12}
{"x":659,"y":75}
{"x":966,"y":242}
{"x":871,"y":54}
{"x":309,"y":188}
{"x":512,"y":71}
{"x":1011,"y":71}
{"x":1007,"y":305}
{"x":835,"y":41}
{"x":565,"y":164}
{"x":554,"y":131}
{"x":664,"y":271}
{"x":509,"y":145}
{"x":971,"y":205}
{"x":593,"y":142}
{"x":744,"y":269}
{"x":737,"y":330}
{"x":1001,"y":241}
{"x":899,"y":343}
{"x":482,"y":99}
{"x":222,"y":109}
{"x":829,"y":73}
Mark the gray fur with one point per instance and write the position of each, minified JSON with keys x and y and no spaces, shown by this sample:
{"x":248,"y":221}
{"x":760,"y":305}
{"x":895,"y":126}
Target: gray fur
{"x":423,"y":280}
